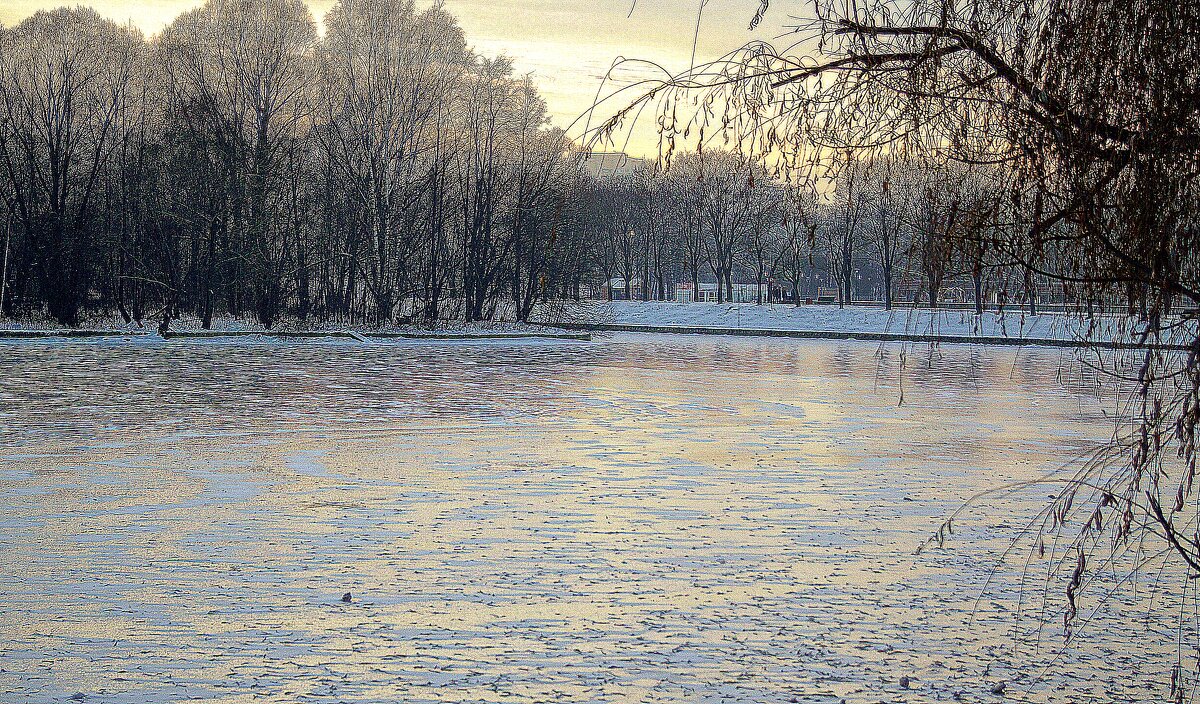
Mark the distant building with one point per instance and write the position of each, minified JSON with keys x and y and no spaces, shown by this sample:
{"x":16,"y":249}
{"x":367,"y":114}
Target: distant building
{"x":609,"y":164}
{"x":742,"y":293}
{"x":616,"y":289}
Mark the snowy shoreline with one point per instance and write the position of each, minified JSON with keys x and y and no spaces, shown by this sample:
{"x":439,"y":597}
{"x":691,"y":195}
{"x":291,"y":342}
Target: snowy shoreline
{"x":190,"y":328}
{"x":576,"y":321}
{"x":1010,"y":327}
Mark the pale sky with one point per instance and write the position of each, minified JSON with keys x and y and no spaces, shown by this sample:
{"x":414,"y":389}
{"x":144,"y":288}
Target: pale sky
{"x":568,"y":45}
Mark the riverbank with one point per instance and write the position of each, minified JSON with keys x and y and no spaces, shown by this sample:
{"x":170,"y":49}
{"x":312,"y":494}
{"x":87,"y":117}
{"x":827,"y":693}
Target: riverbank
{"x":233,"y":327}
{"x":579,"y":321}
{"x":1011,"y":327}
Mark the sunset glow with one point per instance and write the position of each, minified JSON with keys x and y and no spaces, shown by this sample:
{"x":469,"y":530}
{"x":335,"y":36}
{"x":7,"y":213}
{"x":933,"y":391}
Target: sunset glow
{"x":567,"y":46}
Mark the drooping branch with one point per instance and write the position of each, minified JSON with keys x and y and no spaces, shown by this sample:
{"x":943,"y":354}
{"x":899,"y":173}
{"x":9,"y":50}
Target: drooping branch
{"x":1055,"y":109}
{"x":866,"y":62}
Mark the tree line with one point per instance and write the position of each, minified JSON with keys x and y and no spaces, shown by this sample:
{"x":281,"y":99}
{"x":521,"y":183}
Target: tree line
{"x":886,"y":228}
{"x":240,"y":163}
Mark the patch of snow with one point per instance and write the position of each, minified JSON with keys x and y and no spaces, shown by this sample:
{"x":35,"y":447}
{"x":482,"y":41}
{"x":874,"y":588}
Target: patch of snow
{"x":1011,"y":323}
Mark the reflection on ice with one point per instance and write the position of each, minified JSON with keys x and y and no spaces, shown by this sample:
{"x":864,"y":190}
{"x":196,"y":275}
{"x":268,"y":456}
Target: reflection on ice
{"x":645,"y":518}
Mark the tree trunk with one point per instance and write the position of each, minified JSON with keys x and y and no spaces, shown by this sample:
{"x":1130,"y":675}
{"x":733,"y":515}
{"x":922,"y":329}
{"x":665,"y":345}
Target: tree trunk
{"x":1031,"y":292}
{"x":977,"y":280}
{"x":887,"y":287}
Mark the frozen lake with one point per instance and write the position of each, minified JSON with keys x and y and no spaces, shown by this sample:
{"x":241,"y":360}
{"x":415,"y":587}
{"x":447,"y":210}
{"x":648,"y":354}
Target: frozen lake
{"x":638,"y":519}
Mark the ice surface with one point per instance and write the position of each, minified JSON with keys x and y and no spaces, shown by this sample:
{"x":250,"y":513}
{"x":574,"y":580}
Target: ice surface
{"x":647,"y":518}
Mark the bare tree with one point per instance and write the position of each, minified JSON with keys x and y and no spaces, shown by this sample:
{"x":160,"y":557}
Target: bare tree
{"x":888,"y":185}
{"x":726,"y":184}
{"x":842,"y":231}
{"x":799,"y":236}
{"x":64,"y":78}
{"x":767,"y":238}
{"x":387,"y":72}
{"x":249,"y":65}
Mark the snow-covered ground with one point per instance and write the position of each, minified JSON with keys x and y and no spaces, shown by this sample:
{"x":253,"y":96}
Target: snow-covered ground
{"x":191,"y":323}
{"x":1012,"y":323}
{"x":856,"y":319}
